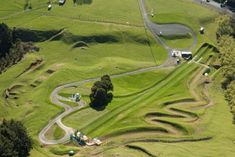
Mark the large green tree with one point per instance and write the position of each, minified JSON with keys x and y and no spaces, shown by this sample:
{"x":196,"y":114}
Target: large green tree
{"x":12,"y":49}
{"x":101,"y":92}
{"x":14,"y":141}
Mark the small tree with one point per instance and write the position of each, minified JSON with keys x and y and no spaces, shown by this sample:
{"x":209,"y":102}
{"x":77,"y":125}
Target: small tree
{"x":107,"y":81}
{"x":227,"y":58}
{"x":224,"y":26}
{"x":227,"y":49}
{"x":230,"y":94}
{"x":14,"y":141}
{"x":5,"y":39}
{"x":101,"y":92}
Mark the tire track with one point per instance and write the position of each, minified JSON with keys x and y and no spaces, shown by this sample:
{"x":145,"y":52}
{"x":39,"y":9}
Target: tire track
{"x":202,"y":100}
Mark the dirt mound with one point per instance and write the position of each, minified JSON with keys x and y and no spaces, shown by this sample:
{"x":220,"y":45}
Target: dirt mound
{"x":31,"y":66}
{"x":81,"y":45}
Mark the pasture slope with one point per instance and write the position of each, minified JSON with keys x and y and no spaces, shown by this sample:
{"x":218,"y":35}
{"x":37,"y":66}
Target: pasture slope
{"x":156,"y":111}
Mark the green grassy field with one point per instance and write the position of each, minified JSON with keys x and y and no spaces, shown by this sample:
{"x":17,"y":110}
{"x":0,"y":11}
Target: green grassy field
{"x":187,"y":13}
{"x":55,"y":132}
{"x":218,"y":125}
{"x":178,"y":42}
{"x":134,"y":102}
{"x":158,"y":104}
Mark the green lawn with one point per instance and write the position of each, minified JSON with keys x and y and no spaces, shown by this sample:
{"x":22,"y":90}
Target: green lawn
{"x":55,"y":132}
{"x":187,"y":13}
{"x":124,"y":46}
{"x":101,"y":10}
{"x":124,"y":107}
{"x":218,"y":123}
{"x":178,"y":42}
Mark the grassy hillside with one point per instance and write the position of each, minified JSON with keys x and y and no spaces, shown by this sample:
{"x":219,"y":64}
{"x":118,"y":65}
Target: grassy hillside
{"x":124,"y":48}
{"x":218,"y":124}
{"x":100,"y":11}
{"x":148,"y":110}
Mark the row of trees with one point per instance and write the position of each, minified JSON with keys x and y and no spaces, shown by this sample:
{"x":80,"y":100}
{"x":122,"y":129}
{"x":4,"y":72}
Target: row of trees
{"x":11,"y":48}
{"x":229,"y":2}
{"x":226,"y":43}
{"x":14,"y":141}
{"x":101,"y":93}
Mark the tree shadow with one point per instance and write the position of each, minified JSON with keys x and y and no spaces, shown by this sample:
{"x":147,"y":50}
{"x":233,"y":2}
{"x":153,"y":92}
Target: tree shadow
{"x":98,"y":106}
{"x":81,"y":2}
{"x":27,"y":35}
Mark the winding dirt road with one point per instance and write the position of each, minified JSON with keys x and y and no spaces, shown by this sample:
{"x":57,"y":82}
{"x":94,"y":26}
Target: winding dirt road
{"x":155,"y":29}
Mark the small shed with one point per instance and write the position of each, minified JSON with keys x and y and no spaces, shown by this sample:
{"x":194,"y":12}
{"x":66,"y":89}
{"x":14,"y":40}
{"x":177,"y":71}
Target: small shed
{"x":97,"y":141}
{"x":177,"y":61}
{"x":202,"y":30}
{"x":187,"y":55}
{"x":84,"y":138}
{"x":79,"y":134}
{"x":176,"y":53}
{"x":49,"y":7}
{"x":71,"y":153}
{"x":76,"y":97}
